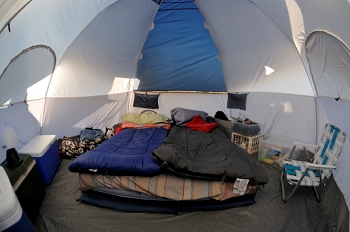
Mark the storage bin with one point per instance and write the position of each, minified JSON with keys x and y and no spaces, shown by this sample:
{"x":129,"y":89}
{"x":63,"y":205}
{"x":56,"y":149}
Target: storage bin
{"x":44,"y":149}
{"x":26,"y":182}
{"x":246,"y":129}
{"x":275,"y":145}
{"x":12,"y":217}
{"x":250,"y":143}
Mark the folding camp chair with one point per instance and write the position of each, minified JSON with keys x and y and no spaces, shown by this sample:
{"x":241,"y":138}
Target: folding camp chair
{"x":317,"y":170}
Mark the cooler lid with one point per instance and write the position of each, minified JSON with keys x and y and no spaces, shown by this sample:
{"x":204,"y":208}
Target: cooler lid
{"x":10,"y":210}
{"x":38,"y":145}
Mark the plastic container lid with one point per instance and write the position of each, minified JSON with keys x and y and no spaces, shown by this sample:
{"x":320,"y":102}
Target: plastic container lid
{"x":280,"y":140}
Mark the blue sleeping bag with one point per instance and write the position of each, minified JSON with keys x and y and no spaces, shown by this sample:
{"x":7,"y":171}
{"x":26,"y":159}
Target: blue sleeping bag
{"x":127,"y":153}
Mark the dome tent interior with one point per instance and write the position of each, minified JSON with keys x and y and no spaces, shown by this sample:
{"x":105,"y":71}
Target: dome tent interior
{"x":67,"y":65}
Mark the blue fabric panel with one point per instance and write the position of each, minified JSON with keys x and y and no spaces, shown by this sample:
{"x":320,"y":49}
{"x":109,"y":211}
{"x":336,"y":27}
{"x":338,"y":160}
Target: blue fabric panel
{"x":179,"y":53}
{"x":325,"y":160}
{"x":291,"y":167}
{"x":323,"y":152}
{"x":127,"y":153}
{"x":292,"y":172}
{"x":329,"y":144}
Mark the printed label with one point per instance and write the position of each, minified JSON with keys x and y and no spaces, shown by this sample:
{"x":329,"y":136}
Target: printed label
{"x":240,"y":186}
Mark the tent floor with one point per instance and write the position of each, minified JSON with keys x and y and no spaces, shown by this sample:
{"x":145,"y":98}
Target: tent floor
{"x":60,"y":211}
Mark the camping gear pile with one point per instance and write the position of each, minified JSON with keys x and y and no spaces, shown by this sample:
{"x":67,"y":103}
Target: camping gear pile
{"x":89,"y":138}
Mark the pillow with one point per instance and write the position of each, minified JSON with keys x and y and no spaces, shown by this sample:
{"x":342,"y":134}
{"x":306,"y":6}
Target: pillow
{"x":147,"y":117}
{"x":180,"y":115}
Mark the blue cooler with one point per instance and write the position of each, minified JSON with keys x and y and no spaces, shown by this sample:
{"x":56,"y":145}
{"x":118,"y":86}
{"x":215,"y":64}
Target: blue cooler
{"x":12,"y":217}
{"x":44,"y":149}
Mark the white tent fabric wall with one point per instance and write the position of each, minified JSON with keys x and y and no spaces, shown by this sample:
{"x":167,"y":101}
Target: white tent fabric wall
{"x":329,"y":61}
{"x":236,"y":43}
{"x":93,"y":81}
{"x":337,"y":113}
{"x":276,"y":113}
{"x":107,"y":50}
{"x":283,"y":114}
{"x":52,"y":23}
{"x":67,"y":116}
{"x":32,"y":68}
{"x":105,"y":111}
{"x":298,"y":19}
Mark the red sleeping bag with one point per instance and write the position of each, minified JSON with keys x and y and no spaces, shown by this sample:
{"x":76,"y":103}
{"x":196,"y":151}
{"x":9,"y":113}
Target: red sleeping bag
{"x":197,"y":123}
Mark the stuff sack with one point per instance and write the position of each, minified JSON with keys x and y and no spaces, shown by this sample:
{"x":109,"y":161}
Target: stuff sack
{"x":91,"y":138}
{"x":68,"y":147}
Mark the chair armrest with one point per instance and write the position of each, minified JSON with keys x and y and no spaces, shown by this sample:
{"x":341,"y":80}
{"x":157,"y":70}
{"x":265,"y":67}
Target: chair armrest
{"x":305,"y":145}
{"x":319,"y":166}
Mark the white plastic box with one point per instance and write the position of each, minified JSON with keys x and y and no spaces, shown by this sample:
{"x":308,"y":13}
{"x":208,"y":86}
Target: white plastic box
{"x":275,"y":145}
{"x":12,"y":217}
{"x":44,"y":149}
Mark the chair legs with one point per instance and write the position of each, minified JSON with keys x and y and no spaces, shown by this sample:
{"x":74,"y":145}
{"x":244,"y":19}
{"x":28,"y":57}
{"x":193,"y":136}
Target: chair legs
{"x":285,"y":199}
{"x":317,"y":194}
{"x":320,"y":186}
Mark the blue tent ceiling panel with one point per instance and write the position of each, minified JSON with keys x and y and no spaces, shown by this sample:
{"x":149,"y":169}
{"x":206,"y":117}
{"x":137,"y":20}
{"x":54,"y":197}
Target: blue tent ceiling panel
{"x":179,"y":52}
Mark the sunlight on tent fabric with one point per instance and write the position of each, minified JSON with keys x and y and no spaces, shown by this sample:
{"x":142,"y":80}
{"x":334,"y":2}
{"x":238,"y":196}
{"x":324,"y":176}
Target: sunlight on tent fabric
{"x":296,"y":23}
{"x":268,"y":70}
{"x":99,"y":114}
{"x":39,"y":89}
{"x":287,"y":107}
{"x":115,"y":104}
{"x":5,"y":104}
{"x":122,"y":85}
{"x":136,"y":83}
{"x":206,"y":26}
